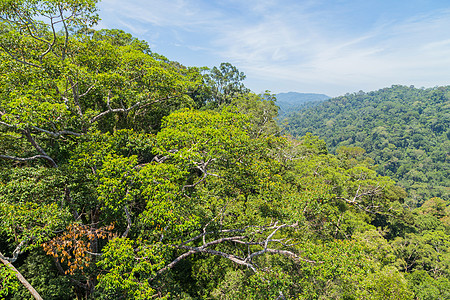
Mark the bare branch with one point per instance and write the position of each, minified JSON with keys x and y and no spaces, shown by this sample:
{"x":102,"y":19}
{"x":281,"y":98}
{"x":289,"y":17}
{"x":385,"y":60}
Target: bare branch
{"x":92,"y":253}
{"x":50,"y":45}
{"x":56,"y":134}
{"x":196,"y":183}
{"x":231,"y":257}
{"x":25,"y":158}
{"x":75,"y":94}
{"x":87,"y":91}
{"x":239,"y":239}
{"x":19,"y":276}
{"x":358,"y":195}
{"x":123,"y":110}
{"x":269,"y":239}
{"x":16,"y":252}
{"x":162,"y":159}
{"x":124,"y":235}
{"x":33,"y":35}
{"x":39,"y":149}
{"x":7,"y":125}
{"x":66,"y":31}
{"x":173,"y":263}
{"x":202,"y":167}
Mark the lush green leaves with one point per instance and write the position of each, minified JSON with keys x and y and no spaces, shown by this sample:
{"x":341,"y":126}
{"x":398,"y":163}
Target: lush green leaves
{"x":403,"y":129}
{"x":134,"y":194}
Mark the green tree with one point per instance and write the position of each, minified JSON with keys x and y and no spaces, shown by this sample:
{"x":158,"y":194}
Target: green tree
{"x":225,"y":83}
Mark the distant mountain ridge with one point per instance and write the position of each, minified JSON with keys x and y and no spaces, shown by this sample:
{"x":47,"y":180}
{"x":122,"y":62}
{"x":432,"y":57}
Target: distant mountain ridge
{"x":293,"y":101}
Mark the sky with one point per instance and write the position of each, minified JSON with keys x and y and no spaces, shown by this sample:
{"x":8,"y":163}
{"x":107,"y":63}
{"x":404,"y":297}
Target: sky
{"x":330,"y":47}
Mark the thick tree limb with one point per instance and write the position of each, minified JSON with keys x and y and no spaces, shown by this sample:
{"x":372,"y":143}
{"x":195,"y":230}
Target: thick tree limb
{"x":173,"y":263}
{"x":39,"y":149}
{"x":16,"y":252}
{"x":19,"y":276}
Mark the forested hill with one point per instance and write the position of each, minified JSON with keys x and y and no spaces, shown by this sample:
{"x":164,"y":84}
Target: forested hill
{"x":293,"y":101}
{"x":405,"y":130}
{"x":124,"y":175}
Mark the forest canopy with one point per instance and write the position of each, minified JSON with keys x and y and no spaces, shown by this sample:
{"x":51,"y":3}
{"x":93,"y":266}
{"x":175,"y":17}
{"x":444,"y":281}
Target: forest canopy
{"x":124,"y":175}
{"x":405,"y":130}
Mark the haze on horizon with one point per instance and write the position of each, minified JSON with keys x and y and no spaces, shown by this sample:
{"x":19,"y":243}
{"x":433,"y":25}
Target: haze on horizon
{"x":330,"y":47}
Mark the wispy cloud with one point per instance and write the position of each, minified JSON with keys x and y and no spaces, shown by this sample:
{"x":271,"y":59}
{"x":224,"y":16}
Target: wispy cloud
{"x":413,"y":51}
{"x":296,"y":45}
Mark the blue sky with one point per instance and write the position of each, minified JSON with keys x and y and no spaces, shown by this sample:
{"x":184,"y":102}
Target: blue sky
{"x":312,"y":46}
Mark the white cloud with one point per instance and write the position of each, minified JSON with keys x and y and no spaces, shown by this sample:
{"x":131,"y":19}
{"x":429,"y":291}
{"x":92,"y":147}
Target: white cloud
{"x":185,"y":14}
{"x":296,"y":45}
{"x":414,"y":51}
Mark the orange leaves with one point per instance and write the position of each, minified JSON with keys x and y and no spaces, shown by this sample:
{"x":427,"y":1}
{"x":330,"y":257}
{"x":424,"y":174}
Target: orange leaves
{"x":76,"y":246}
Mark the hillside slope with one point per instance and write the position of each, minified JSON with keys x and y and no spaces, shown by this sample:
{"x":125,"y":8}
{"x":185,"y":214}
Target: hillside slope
{"x":405,"y":130}
{"x":293,"y":101}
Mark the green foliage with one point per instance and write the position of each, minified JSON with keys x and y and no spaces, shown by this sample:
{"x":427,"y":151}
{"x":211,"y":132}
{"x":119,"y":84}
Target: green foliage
{"x":128,"y":270}
{"x":8,"y":281}
{"x":426,"y":287}
{"x":39,"y":269}
{"x":223,"y":84}
{"x":403,"y":129}
{"x":388,"y":283}
{"x":142,"y":178}
{"x":31,"y":205}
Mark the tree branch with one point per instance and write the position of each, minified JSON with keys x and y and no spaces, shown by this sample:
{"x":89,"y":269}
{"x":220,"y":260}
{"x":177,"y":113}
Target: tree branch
{"x":240,"y":239}
{"x":56,"y":134}
{"x":39,"y":149}
{"x":50,"y":45}
{"x":173,"y":263}
{"x":355,"y":201}
{"x":124,"y":110}
{"x":7,"y":125}
{"x":75,"y":94}
{"x":26,"y":158}
{"x":22,"y":279}
{"x":19,"y":60}
{"x":66,"y":32}
{"x":16,"y":252}
{"x":124,"y":235}
{"x":158,"y":100}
